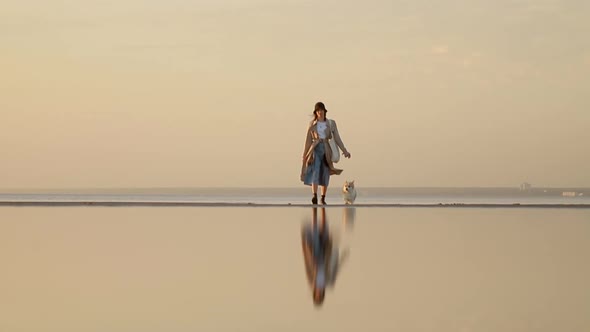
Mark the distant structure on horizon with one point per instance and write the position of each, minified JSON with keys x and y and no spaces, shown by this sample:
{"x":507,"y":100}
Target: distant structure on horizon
{"x":525,"y":186}
{"x":571,"y":194}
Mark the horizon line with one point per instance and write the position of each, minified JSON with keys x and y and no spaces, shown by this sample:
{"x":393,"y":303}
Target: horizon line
{"x":295,"y":205}
{"x":285,"y":187}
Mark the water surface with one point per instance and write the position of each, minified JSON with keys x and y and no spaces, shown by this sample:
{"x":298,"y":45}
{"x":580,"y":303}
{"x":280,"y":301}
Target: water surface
{"x":242,"y":269}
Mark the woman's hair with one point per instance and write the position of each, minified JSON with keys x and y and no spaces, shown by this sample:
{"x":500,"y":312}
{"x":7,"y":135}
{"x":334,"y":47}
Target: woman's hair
{"x":318,"y":297}
{"x":318,"y":106}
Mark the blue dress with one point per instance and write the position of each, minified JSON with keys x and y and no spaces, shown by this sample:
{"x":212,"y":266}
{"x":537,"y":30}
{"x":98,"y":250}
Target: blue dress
{"x":319,"y":171}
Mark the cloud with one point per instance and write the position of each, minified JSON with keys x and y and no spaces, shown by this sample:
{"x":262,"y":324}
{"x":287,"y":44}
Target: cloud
{"x":440,"y":49}
{"x":542,"y":6}
{"x":471,"y":59}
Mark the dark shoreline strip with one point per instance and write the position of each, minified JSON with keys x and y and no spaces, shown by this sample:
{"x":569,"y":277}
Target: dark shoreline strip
{"x":225,"y":204}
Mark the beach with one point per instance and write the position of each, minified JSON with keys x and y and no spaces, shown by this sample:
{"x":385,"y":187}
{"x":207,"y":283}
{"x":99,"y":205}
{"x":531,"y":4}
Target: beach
{"x":218,"y":268}
{"x":160,"y":160}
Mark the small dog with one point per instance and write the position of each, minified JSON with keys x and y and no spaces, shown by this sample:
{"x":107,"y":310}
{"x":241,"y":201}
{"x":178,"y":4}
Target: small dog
{"x":348,"y":192}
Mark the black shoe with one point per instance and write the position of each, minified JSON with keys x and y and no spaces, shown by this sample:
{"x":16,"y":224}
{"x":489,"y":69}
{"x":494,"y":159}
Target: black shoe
{"x":324,"y":200}
{"x":314,"y":200}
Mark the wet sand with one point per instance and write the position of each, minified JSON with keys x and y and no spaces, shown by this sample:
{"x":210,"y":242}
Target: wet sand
{"x":138,"y":268}
{"x":225,"y":204}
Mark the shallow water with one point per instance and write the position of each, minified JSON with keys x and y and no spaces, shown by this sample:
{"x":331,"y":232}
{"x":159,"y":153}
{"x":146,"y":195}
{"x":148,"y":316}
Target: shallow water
{"x":303,"y":196}
{"x":241,"y":268}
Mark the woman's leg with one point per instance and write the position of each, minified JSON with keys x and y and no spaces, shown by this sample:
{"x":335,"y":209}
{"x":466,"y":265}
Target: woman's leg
{"x":324,"y":190}
{"x":314,"y":191}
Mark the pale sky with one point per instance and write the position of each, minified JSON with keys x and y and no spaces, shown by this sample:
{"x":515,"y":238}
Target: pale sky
{"x":146,"y":93}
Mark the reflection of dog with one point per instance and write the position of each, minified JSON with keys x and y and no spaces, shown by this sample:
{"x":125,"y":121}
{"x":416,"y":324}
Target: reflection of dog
{"x":348,"y":192}
{"x":348,"y":217}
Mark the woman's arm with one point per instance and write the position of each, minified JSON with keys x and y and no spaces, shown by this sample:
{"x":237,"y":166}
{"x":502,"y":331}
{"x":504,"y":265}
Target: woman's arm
{"x":308,"y":140}
{"x":338,"y":140}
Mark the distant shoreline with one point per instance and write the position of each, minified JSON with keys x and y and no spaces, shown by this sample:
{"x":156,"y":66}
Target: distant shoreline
{"x":165,"y":189}
{"x":227,"y":204}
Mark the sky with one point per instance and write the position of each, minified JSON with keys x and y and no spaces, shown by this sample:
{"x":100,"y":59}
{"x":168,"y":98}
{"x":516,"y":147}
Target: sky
{"x":176,"y":93}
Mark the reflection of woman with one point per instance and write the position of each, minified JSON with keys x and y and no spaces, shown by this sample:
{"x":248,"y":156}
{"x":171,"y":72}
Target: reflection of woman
{"x":320,"y":255}
{"x":317,"y":155}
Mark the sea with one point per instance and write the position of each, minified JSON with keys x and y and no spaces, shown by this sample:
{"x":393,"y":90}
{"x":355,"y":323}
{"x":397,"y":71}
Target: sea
{"x":302,"y":195}
{"x":233,"y":259}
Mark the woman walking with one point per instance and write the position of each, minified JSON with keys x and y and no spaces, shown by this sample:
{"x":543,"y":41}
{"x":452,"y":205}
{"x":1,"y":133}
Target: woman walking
{"x":317,"y":155}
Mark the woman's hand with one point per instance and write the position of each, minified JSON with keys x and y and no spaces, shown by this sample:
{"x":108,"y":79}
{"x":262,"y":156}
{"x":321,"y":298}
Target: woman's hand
{"x":346,"y":154}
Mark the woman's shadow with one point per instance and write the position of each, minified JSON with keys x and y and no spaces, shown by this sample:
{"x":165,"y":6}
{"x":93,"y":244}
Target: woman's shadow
{"x":322,"y":256}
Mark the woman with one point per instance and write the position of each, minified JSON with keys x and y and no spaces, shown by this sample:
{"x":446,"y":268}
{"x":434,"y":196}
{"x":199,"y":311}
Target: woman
{"x":317,"y":155}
